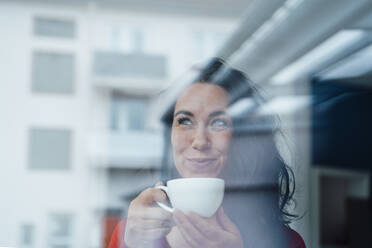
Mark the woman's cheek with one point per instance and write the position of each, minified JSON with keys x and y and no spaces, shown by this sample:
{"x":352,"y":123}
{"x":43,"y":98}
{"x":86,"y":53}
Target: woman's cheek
{"x":179,"y":143}
{"x":223,"y":142}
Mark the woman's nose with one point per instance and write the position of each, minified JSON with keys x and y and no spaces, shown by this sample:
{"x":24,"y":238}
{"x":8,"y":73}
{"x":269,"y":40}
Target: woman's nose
{"x":201,"y":140}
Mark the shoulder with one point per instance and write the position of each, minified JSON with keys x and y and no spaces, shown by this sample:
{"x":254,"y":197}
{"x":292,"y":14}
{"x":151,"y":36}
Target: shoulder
{"x":295,"y":239}
{"x":116,"y":241}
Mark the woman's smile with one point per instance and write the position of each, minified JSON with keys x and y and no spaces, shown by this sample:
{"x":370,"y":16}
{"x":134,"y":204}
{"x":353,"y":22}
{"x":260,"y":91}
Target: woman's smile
{"x":202,"y":163}
{"x":201,"y":160}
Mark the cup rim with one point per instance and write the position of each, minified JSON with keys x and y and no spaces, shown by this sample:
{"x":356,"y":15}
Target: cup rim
{"x":197,"y":178}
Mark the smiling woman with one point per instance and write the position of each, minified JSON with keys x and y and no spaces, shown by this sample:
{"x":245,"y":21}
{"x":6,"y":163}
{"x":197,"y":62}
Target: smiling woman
{"x":206,"y":143}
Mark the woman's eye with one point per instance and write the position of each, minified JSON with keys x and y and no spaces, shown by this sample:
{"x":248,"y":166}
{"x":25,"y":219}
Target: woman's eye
{"x":184,"y":121}
{"x":220,"y":124}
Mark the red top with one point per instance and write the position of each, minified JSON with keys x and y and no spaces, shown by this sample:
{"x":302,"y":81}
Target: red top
{"x":295,"y":240}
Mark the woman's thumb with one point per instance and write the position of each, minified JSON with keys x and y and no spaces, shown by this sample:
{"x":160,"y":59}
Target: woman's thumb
{"x":225,"y":222}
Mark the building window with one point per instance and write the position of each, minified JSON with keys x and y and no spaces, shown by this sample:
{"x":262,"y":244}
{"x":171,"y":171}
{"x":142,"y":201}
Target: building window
{"x":137,"y":41}
{"x":115,"y":38}
{"x":128,"y":113}
{"x":136,"y":114}
{"x":60,"y":230}
{"x":27,"y":236}
{"x":49,"y":149}
{"x":53,"y":72}
{"x":52,"y":27}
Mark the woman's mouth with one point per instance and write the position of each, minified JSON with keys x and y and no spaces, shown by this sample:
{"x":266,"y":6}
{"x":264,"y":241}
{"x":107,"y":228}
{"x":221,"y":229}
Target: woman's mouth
{"x":201,"y":162}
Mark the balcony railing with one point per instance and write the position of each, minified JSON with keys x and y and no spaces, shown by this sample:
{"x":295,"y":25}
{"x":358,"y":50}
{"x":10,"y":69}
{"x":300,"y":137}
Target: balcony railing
{"x":129,"y":71}
{"x":126,"y":149}
{"x":115,"y":64}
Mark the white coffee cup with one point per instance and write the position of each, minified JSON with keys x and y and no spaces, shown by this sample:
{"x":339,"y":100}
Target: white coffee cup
{"x":202,"y":196}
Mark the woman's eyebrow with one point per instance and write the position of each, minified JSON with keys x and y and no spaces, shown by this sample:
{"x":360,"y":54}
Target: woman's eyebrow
{"x":216,"y":113}
{"x":184,"y":112}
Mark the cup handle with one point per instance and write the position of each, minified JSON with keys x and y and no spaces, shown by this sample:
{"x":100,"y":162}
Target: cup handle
{"x":162,"y":205}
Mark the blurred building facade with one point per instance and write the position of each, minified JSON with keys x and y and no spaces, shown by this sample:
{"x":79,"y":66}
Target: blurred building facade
{"x":82,"y":130}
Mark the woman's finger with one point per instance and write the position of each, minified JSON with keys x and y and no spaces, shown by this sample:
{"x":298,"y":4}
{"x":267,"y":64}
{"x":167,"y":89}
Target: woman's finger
{"x":150,"y":196}
{"x":156,"y":233}
{"x":188,"y":231}
{"x":154,"y":213}
{"x":148,"y":224}
{"x":149,"y":234}
{"x":187,"y":237}
{"x":225,"y":222}
{"x":208,"y":227}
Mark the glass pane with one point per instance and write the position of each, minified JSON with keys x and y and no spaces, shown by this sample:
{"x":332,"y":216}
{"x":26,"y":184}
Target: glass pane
{"x":53,"y":72}
{"x":27,"y":234}
{"x":60,"y":230}
{"x":54,"y":27}
{"x":49,"y":148}
{"x":60,"y":225}
{"x":128,"y":114}
{"x":136,"y":114}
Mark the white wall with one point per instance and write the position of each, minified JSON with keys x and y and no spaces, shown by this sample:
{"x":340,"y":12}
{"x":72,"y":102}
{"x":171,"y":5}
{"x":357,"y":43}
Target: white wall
{"x":29,"y":196}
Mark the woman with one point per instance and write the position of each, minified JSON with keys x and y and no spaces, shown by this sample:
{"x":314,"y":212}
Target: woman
{"x":201,"y":136}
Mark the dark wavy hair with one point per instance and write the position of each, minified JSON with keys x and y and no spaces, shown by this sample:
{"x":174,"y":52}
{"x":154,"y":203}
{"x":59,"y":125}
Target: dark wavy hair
{"x":269,"y":168}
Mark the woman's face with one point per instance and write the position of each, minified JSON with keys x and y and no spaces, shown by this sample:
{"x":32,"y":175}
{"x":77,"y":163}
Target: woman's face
{"x":201,"y":131}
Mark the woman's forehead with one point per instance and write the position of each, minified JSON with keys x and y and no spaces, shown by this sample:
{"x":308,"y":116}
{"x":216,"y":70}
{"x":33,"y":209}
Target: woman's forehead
{"x":202,"y":97}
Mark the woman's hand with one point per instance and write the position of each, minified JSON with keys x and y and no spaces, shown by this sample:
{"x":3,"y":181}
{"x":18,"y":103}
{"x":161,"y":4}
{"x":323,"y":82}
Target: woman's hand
{"x":146,"y":222}
{"x":216,"y":232}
